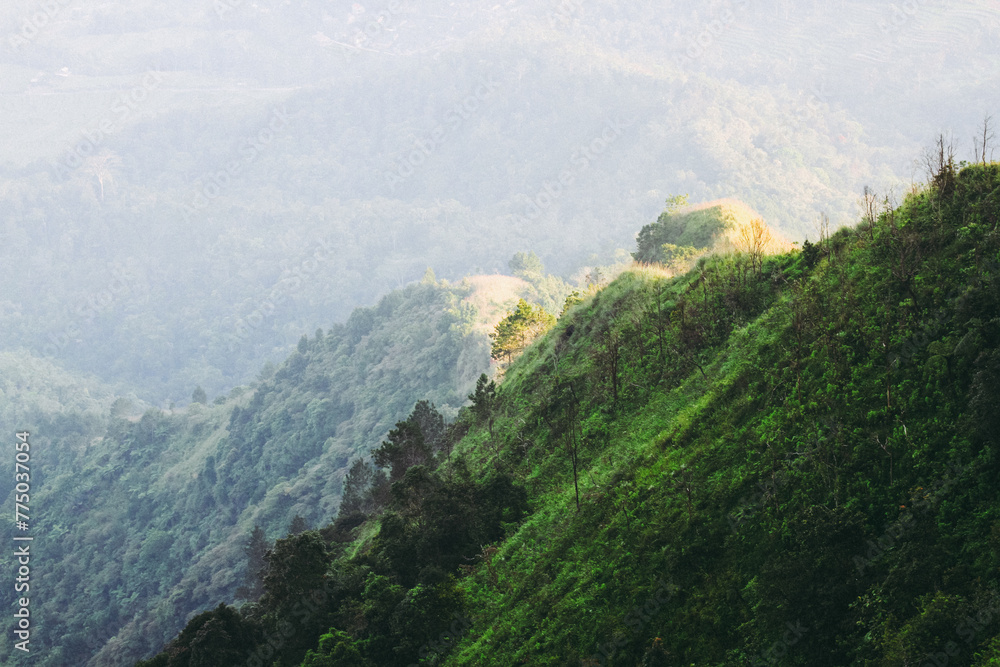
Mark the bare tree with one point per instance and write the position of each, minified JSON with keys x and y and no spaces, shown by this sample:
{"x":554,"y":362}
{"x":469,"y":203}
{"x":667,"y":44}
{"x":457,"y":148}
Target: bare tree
{"x":869,"y":208}
{"x":939,"y":164}
{"x":984,"y":142}
{"x":823,"y":231}
{"x":102,"y":165}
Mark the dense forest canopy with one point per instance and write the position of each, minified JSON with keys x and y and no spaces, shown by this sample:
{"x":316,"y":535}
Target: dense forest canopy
{"x":143,"y":512}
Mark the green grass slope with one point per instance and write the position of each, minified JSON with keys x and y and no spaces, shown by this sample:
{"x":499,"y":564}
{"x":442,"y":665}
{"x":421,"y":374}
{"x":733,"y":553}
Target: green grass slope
{"x":790,"y":463}
{"x":798,"y":465}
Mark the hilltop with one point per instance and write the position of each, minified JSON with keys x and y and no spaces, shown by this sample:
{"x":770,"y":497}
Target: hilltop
{"x":492,"y":296}
{"x":719,"y":226}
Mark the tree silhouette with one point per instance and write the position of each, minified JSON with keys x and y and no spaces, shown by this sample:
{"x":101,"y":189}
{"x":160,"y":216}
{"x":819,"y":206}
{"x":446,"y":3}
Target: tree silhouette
{"x":484,"y":401}
{"x":404,"y":448}
{"x":431,"y":424}
{"x":253,"y":581}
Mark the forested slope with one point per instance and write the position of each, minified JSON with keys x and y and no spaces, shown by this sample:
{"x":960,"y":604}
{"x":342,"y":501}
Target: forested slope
{"x":141,"y":520}
{"x":793,"y":461}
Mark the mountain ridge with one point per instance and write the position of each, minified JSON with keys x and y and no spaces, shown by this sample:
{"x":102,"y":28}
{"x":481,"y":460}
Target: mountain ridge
{"x":684,"y":446}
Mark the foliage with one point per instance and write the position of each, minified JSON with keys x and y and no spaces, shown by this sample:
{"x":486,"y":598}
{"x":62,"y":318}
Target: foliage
{"x":199,"y":395}
{"x":675,"y":203}
{"x":405,"y":448}
{"x":157,"y":509}
{"x":678,"y":258}
{"x":362,"y":489}
{"x":336,"y":649}
{"x":720,"y":453}
{"x":572,"y":299}
{"x":484,"y":401}
{"x":210,"y":639}
{"x":749,"y":462}
{"x":674,"y":232}
{"x":526,"y":265}
{"x":810,"y":254}
{"x":255,"y":550}
{"x":431,"y":425}
{"x":516,"y":331}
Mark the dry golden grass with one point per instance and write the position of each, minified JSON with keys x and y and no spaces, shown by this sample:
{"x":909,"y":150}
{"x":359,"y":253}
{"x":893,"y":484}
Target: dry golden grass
{"x":741,"y":221}
{"x":650,"y":271}
{"x":493,"y":296}
{"x":732,"y":226}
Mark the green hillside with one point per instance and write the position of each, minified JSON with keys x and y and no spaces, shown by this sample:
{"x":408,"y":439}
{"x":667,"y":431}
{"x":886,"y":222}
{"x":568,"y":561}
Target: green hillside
{"x":569,"y":457}
{"x":786,"y":464}
{"x":68,"y":410}
{"x":819,"y":454}
{"x":142,"y":519}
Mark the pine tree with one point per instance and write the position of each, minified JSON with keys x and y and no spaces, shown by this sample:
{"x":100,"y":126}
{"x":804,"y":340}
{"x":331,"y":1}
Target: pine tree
{"x":404,"y":448}
{"x":810,"y":254}
{"x":431,"y":424}
{"x":298,"y":525}
{"x":357,"y":485}
{"x":484,"y":401}
{"x":256,"y":552}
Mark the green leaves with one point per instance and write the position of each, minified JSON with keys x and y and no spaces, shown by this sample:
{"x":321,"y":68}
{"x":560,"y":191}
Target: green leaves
{"x":772,"y":398}
{"x":484,"y":401}
{"x":404,"y":448}
{"x":296,"y":567}
{"x":516,"y":331}
{"x":210,"y":639}
{"x":336,"y":649}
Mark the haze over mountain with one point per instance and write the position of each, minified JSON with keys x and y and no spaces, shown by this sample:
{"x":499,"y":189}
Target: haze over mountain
{"x":299,"y":222}
{"x":187,"y":188}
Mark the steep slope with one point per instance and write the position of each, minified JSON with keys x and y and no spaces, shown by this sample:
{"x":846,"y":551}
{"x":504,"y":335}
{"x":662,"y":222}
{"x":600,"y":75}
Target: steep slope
{"x":794,"y":463}
{"x":143,"y":521}
{"x":809,"y":473}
